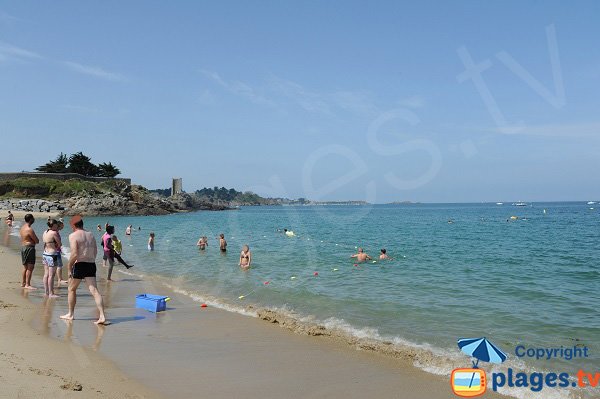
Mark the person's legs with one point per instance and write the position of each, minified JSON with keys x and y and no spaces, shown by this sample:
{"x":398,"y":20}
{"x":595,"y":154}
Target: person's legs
{"x":28,"y":272}
{"x":23,"y":282}
{"x":51,"y":272}
{"x":73,"y":284}
{"x":91,"y":283}
{"x":118,"y":257}
{"x":45,"y":280}
{"x":111,"y":264}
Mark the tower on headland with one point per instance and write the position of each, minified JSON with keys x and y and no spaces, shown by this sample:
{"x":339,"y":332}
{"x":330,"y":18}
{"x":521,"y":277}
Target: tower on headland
{"x":177,"y":186}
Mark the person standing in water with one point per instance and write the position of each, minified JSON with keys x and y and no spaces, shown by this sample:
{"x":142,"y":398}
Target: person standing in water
{"x":10,"y":219}
{"x":202,"y":242}
{"x":52,"y":244}
{"x":28,"y":241}
{"x":361,"y":256}
{"x":82,"y":266}
{"x":109,"y":253}
{"x":151,"y":242}
{"x":383,"y":254}
{"x":128,"y":230}
{"x":59,"y":262}
{"x":222,"y":243}
{"x":245,"y":257}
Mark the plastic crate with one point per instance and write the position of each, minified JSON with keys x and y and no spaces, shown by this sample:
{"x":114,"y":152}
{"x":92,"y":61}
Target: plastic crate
{"x":153,"y":303}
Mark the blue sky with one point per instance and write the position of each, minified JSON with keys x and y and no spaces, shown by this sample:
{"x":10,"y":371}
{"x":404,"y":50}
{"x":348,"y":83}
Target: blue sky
{"x":326,"y":100}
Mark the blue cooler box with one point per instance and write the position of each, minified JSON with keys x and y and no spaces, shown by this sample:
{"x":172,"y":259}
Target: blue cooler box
{"x":153,"y":303}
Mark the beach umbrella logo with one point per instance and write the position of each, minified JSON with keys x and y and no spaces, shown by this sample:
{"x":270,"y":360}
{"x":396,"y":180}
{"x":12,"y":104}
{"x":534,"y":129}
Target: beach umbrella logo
{"x":470,"y":382}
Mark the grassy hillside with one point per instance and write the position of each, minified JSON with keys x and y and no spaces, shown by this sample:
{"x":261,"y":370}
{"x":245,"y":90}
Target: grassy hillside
{"x":44,"y":188}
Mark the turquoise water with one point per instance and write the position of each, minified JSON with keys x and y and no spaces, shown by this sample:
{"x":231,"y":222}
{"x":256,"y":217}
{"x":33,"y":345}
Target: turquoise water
{"x":534,"y":281}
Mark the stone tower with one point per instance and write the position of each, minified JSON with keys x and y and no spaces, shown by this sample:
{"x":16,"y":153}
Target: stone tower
{"x":177,"y":186}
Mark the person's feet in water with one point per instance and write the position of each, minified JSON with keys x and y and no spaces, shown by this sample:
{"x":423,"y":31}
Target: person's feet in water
{"x":102,"y":322}
{"x":67,"y":316}
{"x":129,"y":266}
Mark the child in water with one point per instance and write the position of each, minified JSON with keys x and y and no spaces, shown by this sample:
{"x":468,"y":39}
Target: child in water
{"x":118,"y":248}
{"x":151,"y":242}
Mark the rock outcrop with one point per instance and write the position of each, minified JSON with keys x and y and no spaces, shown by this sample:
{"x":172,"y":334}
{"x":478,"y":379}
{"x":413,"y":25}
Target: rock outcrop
{"x":32,"y":205}
{"x":121,"y":199}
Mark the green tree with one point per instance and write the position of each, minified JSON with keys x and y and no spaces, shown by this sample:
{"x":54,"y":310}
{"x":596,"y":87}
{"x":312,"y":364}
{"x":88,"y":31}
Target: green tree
{"x":108,"y":170}
{"x":80,"y":163}
{"x":60,"y":165}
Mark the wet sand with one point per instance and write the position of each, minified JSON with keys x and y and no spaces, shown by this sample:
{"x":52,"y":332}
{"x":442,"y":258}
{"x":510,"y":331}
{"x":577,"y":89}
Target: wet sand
{"x":187,"y":351}
{"x":33,"y":365}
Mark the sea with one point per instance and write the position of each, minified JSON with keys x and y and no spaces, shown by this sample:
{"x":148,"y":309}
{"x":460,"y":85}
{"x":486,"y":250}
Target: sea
{"x":522,"y":276}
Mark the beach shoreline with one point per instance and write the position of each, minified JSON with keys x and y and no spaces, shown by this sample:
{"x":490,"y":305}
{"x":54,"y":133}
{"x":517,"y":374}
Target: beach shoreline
{"x":239,"y":354}
{"x":34,"y":365}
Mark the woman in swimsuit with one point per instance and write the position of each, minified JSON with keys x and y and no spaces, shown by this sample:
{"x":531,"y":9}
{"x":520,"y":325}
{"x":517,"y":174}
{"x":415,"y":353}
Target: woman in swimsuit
{"x":52,"y":242}
{"x":245,"y":257}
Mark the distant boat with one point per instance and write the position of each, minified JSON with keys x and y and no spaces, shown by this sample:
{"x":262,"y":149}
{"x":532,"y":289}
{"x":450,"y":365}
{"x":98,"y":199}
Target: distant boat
{"x":520,"y":203}
{"x":591,"y":203}
{"x":499,"y":203}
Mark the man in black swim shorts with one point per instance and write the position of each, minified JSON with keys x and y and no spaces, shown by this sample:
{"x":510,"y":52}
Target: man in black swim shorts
{"x":82,"y":266}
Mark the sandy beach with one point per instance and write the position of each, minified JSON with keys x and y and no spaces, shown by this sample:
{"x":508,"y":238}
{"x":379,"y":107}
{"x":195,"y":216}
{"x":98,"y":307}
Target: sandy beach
{"x":33,"y":365}
{"x":185,"y":352}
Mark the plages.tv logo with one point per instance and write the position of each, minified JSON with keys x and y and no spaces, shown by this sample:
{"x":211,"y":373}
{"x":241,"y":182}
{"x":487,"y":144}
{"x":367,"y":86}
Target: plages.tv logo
{"x":471,"y":382}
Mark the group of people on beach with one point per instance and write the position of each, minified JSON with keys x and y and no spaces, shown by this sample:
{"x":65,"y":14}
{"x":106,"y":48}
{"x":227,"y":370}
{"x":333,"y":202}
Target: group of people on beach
{"x":81,"y":265}
{"x":82,"y":260}
{"x":245,"y":255}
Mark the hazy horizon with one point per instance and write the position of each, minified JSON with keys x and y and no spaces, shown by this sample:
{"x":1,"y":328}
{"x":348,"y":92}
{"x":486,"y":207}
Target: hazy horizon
{"x":430,"y":102}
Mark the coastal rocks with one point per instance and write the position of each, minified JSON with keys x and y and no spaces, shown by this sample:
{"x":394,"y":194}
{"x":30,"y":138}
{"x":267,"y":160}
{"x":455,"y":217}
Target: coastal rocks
{"x":118,"y":198}
{"x":32,"y":205}
{"x":110,"y":203}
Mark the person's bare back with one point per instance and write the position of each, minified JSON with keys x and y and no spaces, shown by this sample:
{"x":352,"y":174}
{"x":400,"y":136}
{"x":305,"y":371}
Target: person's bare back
{"x":83,"y":246}
{"x":28,"y":236}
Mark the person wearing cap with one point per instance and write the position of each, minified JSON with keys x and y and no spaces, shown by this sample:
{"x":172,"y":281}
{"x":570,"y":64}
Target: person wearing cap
{"x":82,"y":266}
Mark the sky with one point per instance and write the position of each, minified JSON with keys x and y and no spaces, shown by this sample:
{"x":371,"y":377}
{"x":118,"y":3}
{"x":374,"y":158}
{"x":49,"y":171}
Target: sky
{"x":462,"y":101}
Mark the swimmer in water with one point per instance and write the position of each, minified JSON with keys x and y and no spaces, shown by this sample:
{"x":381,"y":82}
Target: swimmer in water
{"x":222,"y":243}
{"x":128,"y":230}
{"x":99,"y":228}
{"x":361,"y":256}
{"x":245,"y":257}
{"x":151,"y":242}
{"x":383,"y":254}
{"x":202,"y":242}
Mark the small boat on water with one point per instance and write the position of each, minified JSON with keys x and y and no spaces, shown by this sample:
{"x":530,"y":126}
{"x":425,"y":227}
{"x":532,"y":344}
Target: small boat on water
{"x":591,"y":203}
{"x":520,"y":203}
{"x":499,"y":203}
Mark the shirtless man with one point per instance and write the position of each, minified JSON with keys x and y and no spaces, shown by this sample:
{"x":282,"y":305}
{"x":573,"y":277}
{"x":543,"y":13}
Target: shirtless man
{"x":361,"y":256}
{"x":28,"y":241}
{"x":222,"y":242}
{"x":82,"y":266}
